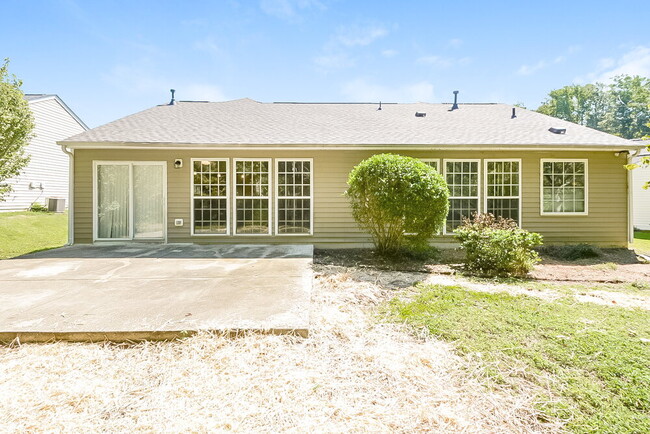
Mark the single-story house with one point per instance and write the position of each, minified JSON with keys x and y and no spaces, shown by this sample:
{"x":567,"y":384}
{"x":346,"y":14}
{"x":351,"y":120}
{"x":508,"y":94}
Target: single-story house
{"x":640,"y":195}
{"x":46,"y":175}
{"x":249,"y":172}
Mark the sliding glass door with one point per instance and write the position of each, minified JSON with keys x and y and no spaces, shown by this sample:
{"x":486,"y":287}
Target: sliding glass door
{"x":129,"y":200}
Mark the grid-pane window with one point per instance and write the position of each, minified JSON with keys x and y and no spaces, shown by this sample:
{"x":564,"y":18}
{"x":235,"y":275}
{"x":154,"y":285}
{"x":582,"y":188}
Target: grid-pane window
{"x":564,"y":186}
{"x":252,"y":197}
{"x":463,"y":181}
{"x":294,"y":198}
{"x":210,"y":197}
{"x":502,"y":196}
{"x":432,"y":163}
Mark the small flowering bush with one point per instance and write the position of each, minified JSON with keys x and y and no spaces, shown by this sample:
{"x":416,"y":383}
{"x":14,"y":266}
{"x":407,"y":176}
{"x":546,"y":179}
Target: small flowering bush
{"x":496,"y":246}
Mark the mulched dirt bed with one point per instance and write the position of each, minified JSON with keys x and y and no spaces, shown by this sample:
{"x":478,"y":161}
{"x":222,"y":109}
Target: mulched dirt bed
{"x":612,"y":266}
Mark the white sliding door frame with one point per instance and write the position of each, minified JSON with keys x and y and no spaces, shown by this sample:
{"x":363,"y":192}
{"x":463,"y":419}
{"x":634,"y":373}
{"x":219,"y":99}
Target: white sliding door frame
{"x":130,"y":221}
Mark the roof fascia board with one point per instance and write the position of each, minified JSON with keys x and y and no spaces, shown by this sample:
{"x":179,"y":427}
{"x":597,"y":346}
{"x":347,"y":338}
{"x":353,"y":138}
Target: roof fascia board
{"x":303,"y":147}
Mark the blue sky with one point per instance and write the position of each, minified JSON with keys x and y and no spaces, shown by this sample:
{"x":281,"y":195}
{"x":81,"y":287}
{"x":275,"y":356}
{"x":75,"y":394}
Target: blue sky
{"x":112,"y":58}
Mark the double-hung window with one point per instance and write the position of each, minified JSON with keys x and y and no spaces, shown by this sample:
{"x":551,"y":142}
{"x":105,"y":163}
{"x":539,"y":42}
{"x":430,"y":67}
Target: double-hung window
{"x":463,"y":180}
{"x":210,"y":186}
{"x":564,"y":187}
{"x":294,"y":196}
{"x":503,"y":188}
{"x":252,"y":196}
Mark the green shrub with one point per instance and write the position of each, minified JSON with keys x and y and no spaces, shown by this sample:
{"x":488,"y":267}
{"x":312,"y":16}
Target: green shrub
{"x":401,"y":201}
{"x":571,"y":252}
{"x":496,"y":246}
{"x":38,"y":207}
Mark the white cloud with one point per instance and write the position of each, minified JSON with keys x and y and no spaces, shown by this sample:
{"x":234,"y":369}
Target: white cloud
{"x":438,"y":61}
{"x":200,"y":92}
{"x":634,"y":62}
{"x":288,"y":10}
{"x":443,"y":62}
{"x":208,"y":45}
{"x":139,"y":79}
{"x":361,"y":90}
{"x":336,"y":51}
{"x":334,"y":61}
{"x":352,"y":36}
{"x":531,"y":69}
{"x":389,"y":53}
{"x":454,"y":43}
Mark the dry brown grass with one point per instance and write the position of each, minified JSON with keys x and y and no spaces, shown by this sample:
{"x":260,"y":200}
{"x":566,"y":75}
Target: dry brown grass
{"x":354,"y":373}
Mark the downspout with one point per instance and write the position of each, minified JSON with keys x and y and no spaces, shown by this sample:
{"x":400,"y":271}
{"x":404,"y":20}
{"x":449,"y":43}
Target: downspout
{"x":70,"y":194}
{"x":630,"y":198}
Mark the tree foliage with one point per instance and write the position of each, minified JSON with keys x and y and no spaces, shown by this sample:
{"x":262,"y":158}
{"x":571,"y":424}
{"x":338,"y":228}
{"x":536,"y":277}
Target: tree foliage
{"x":400,"y":201}
{"x":621,"y":108}
{"x":16,"y":126}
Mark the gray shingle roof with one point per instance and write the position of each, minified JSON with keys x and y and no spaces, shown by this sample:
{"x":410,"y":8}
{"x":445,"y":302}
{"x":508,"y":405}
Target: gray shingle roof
{"x":248,"y":122}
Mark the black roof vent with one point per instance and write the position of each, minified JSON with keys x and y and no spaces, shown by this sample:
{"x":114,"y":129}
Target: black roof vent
{"x":557,"y":130}
{"x":420,"y":115}
{"x":514,"y":114}
{"x":455,"y":106}
{"x":173,"y":101}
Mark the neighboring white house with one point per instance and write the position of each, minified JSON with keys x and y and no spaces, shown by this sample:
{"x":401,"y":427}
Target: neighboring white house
{"x":641,"y":197}
{"x":47,"y":173}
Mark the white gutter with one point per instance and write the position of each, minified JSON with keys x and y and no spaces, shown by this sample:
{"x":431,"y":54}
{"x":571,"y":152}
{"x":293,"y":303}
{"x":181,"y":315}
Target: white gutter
{"x":70,"y":194}
{"x":630,"y":198}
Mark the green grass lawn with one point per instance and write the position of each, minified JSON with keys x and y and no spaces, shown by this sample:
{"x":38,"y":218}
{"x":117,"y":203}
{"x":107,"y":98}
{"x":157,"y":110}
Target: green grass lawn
{"x":589,"y":364}
{"x":642,"y":242}
{"x":25,"y":232}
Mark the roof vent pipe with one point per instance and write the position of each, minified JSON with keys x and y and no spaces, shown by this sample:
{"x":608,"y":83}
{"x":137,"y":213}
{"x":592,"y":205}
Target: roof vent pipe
{"x":379,"y":106}
{"x":455,"y":106}
{"x":173,"y":101}
{"x":514,"y":115}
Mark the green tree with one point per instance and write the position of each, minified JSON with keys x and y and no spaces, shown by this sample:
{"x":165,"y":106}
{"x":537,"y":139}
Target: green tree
{"x":585,"y":105}
{"x":621,"y":108}
{"x":629,"y":107}
{"x":16,"y":126}
{"x":400,"y":201}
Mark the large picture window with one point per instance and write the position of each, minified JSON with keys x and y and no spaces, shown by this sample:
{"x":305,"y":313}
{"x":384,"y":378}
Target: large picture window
{"x":252,"y":196}
{"x":294,"y":197}
{"x":210,"y":197}
{"x":462,"y":178}
{"x":564,"y":187}
{"x":503,"y":188}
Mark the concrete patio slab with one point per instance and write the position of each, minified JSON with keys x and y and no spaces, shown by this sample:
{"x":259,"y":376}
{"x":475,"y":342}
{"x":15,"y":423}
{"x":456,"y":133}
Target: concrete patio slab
{"x":142,"y":291}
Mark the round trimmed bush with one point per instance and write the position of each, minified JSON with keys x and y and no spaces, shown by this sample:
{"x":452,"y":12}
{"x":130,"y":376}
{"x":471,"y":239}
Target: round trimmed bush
{"x":401,"y":201}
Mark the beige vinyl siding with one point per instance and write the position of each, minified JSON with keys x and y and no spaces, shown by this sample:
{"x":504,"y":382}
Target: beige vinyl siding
{"x":605,"y":224}
{"x":48,"y":164}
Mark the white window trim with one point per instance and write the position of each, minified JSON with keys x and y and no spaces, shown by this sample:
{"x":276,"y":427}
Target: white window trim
{"x":235,"y":197}
{"x":432,"y":160}
{"x":479,"y":186}
{"x":310,"y":197}
{"x":485,"y":184}
{"x":192,"y":197}
{"x":541,"y":185}
{"x":129,"y":163}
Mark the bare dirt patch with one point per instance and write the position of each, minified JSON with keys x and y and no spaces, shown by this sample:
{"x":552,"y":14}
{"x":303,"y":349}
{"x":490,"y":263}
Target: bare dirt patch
{"x":354,"y":373}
